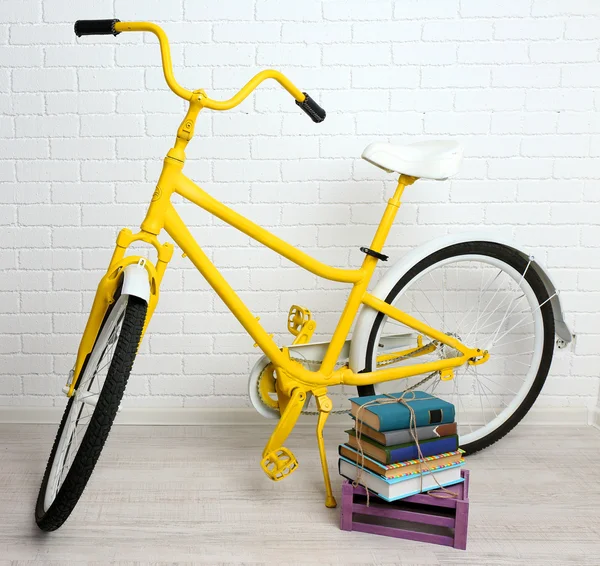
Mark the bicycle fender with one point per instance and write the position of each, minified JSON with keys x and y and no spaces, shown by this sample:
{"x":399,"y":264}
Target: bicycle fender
{"x":367,"y":315}
{"x":136,"y":282}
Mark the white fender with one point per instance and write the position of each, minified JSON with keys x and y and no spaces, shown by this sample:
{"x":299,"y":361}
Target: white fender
{"x":135,"y":282}
{"x":367,"y":315}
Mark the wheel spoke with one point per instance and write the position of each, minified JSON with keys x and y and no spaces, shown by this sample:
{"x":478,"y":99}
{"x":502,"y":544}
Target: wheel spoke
{"x":484,"y":321}
{"x":496,"y":383}
{"x":512,"y":355}
{"x":513,"y":341}
{"x":442,"y":294}
{"x":493,"y":323}
{"x":428,"y":300}
{"x":511,"y":374}
{"x":519,"y":362}
{"x":494,"y":295}
{"x":459,"y":326}
{"x":518,"y":323}
{"x":480,"y":398}
{"x":413,"y":305}
{"x":480,"y":387}
{"x":507,"y":314}
{"x":461,"y":403}
{"x":519,"y":284}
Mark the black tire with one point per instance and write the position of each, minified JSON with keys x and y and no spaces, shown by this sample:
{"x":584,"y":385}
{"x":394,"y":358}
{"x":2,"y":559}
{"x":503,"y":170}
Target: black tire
{"x":517,"y":261}
{"x":99,"y":425}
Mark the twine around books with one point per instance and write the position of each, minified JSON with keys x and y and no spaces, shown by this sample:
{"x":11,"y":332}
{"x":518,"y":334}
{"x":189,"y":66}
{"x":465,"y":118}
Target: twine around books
{"x":412,"y":427}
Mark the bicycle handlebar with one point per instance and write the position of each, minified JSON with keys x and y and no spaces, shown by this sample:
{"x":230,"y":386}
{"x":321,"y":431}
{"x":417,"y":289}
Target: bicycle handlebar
{"x":114,"y":27}
{"x":96,"y":27}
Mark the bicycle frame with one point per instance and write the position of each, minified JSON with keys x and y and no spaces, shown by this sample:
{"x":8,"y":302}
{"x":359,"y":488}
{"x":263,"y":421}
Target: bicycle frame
{"x":162,"y":215}
{"x":294,"y":381}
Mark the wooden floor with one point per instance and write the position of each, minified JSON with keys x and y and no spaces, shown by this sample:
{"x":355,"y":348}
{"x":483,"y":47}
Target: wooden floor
{"x":196,"y":495}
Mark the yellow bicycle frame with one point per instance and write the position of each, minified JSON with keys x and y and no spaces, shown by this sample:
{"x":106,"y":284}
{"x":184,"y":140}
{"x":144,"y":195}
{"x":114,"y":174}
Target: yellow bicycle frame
{"x":294,"y":380}
{"x":162,"y":215}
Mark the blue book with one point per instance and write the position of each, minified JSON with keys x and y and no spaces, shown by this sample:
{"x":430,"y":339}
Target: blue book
{"x":402,"y":452}
{"x":429,"y":410}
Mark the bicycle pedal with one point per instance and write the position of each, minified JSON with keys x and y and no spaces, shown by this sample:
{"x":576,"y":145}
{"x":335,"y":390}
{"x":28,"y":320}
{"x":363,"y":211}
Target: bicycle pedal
{"x":301,"y":324}
{"x":279,"y":464}
{"x":297,"y":318}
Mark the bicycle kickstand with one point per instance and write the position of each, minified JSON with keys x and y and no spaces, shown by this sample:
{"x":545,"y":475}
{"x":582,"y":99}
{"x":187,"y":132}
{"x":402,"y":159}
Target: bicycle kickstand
{"x":324,"y":405}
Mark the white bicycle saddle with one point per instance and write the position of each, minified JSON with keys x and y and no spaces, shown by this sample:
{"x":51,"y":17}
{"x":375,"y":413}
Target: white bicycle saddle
{"x":435,"y":159}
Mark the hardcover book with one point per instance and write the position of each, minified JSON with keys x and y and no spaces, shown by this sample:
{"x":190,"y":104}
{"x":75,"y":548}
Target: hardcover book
{"x":397,"y":488}
{"x":402,"y":452}
{"x":429,"y":410}
{"x":400,"y":469}
{"x":403,"y":435}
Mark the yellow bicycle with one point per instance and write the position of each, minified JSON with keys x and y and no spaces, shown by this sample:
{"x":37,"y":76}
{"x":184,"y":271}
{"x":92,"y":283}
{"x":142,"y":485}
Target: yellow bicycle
{"x":466,"y":316}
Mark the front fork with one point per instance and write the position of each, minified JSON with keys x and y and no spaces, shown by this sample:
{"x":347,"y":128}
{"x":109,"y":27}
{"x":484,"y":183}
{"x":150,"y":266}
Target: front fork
{"x":108,"y":286}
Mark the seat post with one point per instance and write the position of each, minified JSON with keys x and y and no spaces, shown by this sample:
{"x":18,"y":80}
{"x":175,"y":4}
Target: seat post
{"x":390,"y":213}
{"x":403,"y":181}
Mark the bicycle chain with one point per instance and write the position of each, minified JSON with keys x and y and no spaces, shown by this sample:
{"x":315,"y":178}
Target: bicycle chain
{"x":341,"y":364}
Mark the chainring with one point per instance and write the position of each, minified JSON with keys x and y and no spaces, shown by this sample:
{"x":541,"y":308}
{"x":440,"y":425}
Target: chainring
{"x":266,"y":388}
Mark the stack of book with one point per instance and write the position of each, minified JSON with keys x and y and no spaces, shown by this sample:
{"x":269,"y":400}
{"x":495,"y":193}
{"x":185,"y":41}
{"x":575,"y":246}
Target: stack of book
{"x":382,"y":455}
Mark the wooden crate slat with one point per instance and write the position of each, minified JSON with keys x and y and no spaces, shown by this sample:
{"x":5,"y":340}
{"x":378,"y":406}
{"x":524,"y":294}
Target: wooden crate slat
{"x":404,"y":515}
{"x":461,"y":489}
{"x":403,"y":533}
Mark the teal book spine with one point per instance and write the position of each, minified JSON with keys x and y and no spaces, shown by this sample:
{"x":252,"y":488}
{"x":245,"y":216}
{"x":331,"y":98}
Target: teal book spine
{"x":429,"y":410}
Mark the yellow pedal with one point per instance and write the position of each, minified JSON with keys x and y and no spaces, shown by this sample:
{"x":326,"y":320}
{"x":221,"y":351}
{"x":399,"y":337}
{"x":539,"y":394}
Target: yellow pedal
{"x":279,"y":464}
{"x":297,"y":318}
{"x":301,"y":324}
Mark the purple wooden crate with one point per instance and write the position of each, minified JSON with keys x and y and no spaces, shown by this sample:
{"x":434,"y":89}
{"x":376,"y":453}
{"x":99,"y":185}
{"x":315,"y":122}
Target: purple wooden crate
{"x":429,"y":513}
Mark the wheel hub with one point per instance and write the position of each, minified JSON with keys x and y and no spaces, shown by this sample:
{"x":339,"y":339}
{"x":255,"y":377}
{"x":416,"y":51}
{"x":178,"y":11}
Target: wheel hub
{"x":446,"y":352}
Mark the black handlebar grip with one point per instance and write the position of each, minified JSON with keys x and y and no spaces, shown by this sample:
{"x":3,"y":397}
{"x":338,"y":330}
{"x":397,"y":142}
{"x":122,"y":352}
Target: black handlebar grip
{"x":95,"y":27}
{"x":316,"y":113}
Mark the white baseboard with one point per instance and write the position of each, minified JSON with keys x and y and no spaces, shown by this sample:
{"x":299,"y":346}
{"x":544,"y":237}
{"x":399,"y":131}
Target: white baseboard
{"x":595,"y":417}
{"x":246,"y":416}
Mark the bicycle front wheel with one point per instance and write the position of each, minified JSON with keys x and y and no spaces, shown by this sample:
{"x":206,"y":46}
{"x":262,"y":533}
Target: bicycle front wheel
{"x":90,"y":412}
{"x":489,"y":297}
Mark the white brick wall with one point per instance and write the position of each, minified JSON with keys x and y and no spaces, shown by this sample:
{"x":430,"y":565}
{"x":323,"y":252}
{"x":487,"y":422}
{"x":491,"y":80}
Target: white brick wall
{"x":84,"y":124}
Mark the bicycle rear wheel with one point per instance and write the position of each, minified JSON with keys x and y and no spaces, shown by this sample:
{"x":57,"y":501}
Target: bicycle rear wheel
{"x":90,"y":412}
{"x":489,"y":297}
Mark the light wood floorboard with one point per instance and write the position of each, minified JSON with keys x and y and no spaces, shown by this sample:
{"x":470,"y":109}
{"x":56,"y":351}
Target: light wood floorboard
{"x":196,"y":495}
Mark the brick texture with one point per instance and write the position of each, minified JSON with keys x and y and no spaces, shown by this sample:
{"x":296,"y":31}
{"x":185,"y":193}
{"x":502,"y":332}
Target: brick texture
{"x":84,"y":124}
